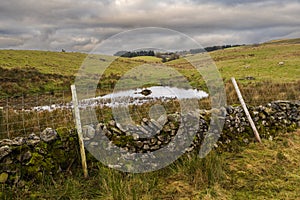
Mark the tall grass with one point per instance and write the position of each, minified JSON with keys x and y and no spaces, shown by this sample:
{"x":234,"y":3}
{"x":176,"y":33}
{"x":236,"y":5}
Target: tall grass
{"x":260,"y":171}
{"x":187,"y":174}
{"x":263,"y":92}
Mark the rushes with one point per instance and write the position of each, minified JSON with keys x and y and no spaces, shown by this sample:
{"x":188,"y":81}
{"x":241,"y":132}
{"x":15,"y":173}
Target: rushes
{"x":264,"y":92}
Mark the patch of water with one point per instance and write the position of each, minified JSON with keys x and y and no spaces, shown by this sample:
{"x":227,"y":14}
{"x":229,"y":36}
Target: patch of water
{"x":159,"y":92}
{"x":133,"y":97}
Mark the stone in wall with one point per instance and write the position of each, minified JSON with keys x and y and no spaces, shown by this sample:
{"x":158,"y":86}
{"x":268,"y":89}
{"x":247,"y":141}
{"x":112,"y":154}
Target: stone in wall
{"x":27,"y":159}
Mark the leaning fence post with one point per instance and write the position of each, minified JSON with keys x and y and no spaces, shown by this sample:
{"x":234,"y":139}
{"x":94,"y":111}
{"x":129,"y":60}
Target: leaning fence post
{"x":246,"y":109}
{"x":79,"y":130}
{"x":1,"y":122}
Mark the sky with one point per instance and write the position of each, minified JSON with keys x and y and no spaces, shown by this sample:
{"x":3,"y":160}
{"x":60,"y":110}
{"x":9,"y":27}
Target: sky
{"x":81,"y":25}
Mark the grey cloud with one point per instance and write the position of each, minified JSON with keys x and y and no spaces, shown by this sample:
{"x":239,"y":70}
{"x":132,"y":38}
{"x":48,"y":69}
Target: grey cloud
{"x":160,"y":39}
{"x":10,"y":42}
{"x":80,"y":25}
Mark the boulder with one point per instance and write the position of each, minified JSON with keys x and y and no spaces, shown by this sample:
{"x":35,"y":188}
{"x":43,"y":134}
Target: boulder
{"x":48,"y":135}
{"x":88,"y":132}
{"x":4,"y":151}
{"x":33,"y":139}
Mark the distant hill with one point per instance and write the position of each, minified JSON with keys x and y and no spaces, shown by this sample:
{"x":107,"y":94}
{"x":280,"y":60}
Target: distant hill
{"x":284,"y":41}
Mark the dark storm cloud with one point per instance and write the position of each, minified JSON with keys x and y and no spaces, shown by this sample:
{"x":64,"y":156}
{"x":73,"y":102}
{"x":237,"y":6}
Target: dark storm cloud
{"x":78,"y":25}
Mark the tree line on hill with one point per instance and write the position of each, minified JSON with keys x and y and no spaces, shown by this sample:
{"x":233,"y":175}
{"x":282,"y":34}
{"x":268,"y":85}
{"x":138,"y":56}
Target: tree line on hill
{"x":168,"y":56}
{"x":213,"y":48}
{"x":131,"y":54}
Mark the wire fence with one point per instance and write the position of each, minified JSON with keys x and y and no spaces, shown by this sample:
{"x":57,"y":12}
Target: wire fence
{"x":25,"y":114}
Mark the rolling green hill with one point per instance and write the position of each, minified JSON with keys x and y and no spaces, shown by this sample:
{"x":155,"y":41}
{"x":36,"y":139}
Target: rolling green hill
{"x":24,"y":71}
{"x":284,"y":41}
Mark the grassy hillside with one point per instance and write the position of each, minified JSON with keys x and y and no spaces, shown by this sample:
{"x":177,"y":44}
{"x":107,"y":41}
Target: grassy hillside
{"x":255,"y":66}
{"x":45,"y":62}
{"x":36,"y":71}
{"x":260,"y":62}
{"x":42,"y":71}
{"x":284,"y":41}
{"x":147,"y":58}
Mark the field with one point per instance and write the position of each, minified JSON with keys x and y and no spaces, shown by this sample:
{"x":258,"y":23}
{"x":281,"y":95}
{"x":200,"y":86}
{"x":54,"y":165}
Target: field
{"x":255,"y":67}
{"x":258,"y":171}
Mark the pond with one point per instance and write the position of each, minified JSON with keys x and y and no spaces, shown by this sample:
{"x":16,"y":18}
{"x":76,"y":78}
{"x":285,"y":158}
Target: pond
{"x":158,"y":92}
{"x":140,"y":96}
{"x":137,"y":96}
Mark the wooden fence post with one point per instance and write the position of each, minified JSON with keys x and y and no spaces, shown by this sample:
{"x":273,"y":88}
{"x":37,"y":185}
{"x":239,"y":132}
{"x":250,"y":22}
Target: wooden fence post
{"x":79,"y":130}
{"x":1,"y":122}
{"x":246,"y":109}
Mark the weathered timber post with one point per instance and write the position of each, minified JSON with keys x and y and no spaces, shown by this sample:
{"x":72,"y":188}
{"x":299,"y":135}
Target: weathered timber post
{"x":245,"y":109}
{"x":79,"y":130}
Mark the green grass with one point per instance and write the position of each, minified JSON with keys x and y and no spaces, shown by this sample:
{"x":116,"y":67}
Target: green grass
{"x":44,"y":61}
{"x":260,"y":62}
{"x":284,"y":41}
{"x":257,"y":61}
{"x":270,"y":170}
{"x":147,"y":59}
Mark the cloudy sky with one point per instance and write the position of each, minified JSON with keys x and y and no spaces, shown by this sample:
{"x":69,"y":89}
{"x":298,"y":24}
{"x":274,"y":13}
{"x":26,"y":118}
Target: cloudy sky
{"x":79,"y":25}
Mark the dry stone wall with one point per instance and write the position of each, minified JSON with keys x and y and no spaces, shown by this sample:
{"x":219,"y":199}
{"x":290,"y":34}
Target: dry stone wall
{"x":27,"y":159}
